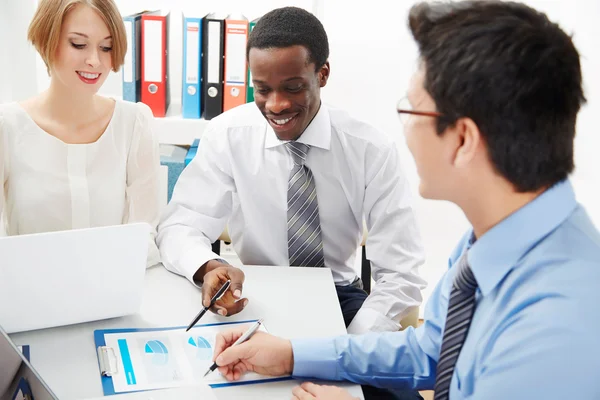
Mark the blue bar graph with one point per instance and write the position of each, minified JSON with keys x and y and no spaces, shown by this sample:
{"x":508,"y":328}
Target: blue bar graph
{"x":126,"y":358}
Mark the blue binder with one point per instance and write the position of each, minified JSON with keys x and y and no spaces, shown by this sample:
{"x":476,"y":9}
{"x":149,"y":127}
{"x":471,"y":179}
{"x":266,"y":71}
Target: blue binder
{"x":132,"y":75}
{"x":105,"y":365}
{"x":192,"y":152}
{"x":192,"y":71}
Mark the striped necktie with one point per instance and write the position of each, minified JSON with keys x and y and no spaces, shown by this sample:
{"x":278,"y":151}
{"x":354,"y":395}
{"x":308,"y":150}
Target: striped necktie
{"x":460,"y":311}
{"x":305,"y":245}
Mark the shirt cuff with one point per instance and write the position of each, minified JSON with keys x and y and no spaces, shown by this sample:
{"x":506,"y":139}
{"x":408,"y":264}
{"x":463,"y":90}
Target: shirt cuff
{"x":315,"y":358}
{"x":369,"y":320}
{"x":191,"y":261}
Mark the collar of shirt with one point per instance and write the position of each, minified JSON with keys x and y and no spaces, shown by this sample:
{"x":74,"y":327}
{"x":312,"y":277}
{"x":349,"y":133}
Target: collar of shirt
{"x":316,"y":134}
{"x":497,"y":252}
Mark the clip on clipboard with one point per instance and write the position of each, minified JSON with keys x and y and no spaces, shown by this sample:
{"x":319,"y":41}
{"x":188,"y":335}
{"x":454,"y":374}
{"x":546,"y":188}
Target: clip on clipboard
{"x":107,"y":360}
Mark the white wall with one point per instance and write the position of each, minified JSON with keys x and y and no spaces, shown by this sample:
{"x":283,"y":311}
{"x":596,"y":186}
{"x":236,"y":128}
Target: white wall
{"x":5,"y":90}
{"x":372,"y":58}
{"x":17,"y":67}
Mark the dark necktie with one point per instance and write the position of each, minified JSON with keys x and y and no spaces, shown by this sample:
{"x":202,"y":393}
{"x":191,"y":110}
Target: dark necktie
{"x":305,"y":245}
{"x":460,"y":311}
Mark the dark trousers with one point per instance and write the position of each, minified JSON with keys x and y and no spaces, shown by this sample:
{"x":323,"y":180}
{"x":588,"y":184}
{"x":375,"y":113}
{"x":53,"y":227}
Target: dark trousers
{"x":351,"y":299}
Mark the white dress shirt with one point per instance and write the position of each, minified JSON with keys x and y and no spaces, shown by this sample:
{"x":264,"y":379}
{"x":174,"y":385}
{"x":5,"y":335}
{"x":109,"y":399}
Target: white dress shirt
{"x":240,"y":178}
{"x":50,"y":185}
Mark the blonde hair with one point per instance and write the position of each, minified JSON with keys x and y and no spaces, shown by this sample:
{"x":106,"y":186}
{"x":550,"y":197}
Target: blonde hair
{"x":45,"y":27}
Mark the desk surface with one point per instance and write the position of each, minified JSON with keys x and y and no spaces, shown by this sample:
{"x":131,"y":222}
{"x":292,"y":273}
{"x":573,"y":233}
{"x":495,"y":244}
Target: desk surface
{"x":294,"y":302}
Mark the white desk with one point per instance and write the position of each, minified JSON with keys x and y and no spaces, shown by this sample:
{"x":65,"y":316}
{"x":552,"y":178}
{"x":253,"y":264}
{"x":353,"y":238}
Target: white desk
{"x":294,"y":302}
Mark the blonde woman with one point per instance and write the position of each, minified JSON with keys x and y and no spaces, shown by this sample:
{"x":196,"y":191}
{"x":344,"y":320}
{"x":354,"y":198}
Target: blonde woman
{"x":74,"y":159}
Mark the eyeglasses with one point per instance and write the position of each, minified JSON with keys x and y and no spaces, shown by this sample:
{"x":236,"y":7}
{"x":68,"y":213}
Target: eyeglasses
{"x":405,"y":110}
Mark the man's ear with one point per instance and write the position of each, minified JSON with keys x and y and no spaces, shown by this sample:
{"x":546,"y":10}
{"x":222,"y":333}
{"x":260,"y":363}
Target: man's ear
{"x":470,"y":141}
{"x":324,"y":74}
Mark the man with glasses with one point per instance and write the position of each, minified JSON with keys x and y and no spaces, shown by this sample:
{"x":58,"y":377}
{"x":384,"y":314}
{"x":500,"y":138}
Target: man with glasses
{"x":405,"y":111}
{"x":490,"y":121}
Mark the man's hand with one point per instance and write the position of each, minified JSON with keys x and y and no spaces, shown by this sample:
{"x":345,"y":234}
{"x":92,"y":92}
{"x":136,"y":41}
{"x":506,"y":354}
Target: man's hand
{"x":311,"y":391}
{"x":213,"y":275}
{"x":262,"y":353}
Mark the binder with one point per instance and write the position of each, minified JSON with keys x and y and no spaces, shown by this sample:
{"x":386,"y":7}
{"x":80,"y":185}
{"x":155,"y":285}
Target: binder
{"x":132,"y":78}
{"x":115,"y":361}
{"x":192,"y":152}
{"x":250,"y":85}
{"x":155,"y":62}
{"x":236,"y":36}
{"x":212,"y":68}
{"x":192,"y":51}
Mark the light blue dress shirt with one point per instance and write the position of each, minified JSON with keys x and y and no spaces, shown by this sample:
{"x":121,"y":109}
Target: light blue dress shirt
{"x":535,"y":333}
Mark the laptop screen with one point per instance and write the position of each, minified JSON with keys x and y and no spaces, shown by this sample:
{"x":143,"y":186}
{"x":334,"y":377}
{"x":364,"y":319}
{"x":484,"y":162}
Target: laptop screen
{"x":18,"y":380}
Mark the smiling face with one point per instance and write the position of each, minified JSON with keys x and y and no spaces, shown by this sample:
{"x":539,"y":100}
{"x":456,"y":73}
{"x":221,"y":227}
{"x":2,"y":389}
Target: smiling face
{"x":287,"y":88}
{"x":83,"y":56}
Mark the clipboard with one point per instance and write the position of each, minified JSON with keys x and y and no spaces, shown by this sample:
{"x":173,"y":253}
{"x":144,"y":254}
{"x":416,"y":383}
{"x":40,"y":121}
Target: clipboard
{"x":109,"y":361}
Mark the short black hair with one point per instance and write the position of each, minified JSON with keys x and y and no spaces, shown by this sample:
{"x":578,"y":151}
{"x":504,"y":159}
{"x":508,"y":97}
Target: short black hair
{"x":514,"y":73}
{"x":291,"y":26}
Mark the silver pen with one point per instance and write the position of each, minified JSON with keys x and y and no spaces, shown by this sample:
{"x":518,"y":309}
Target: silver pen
{"x":247,"y":335}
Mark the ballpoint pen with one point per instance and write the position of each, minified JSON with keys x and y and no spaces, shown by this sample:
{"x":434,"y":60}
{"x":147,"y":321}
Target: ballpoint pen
{"x":214,"y":299}
{"x":247,"y":335}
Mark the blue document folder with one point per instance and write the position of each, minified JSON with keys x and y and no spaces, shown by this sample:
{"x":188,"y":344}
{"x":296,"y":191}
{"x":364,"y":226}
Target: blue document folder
{"x":192,"y":68}
{"x":132,"y":359}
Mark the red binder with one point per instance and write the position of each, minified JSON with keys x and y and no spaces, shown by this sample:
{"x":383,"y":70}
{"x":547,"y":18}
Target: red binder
{"x":155,"y":62}
{"x":236,"y":36}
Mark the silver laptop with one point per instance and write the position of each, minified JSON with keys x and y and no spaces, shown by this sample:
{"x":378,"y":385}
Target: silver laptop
{"x":67,"y":277}
{"x":19,"y":380}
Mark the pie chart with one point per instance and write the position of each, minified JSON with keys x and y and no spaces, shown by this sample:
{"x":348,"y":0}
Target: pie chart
{"x":157,"y":352}
{"x":203,"y":349}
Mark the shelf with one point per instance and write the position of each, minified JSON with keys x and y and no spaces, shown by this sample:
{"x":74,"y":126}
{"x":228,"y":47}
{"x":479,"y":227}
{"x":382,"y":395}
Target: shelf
{"x":174,"y":129}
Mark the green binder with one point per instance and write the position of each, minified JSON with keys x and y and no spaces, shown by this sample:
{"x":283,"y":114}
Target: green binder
{"x":249,"y":85}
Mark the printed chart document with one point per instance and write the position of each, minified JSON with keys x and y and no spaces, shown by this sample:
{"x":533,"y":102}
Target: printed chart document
{"x":146,"y":359}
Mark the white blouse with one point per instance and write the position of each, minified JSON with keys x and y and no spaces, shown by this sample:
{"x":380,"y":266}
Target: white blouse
{"x":50,"y":185}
